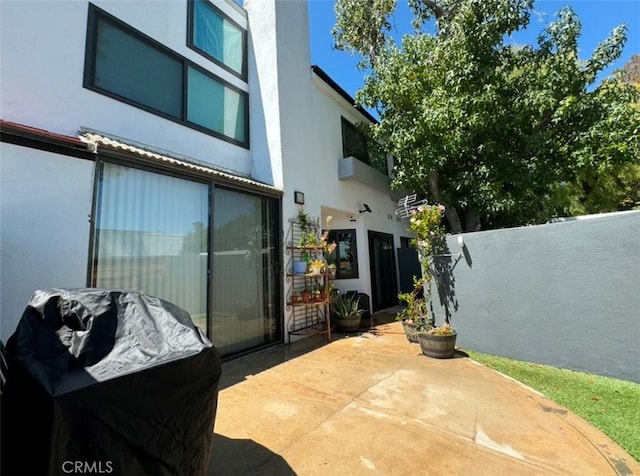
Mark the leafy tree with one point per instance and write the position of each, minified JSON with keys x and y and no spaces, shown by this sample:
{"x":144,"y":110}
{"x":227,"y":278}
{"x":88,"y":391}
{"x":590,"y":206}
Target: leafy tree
{"x":631,"y":71}
{"x":501,"y":135}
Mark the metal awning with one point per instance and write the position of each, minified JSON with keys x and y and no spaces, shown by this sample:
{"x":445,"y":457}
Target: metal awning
{"x":95,"y":140}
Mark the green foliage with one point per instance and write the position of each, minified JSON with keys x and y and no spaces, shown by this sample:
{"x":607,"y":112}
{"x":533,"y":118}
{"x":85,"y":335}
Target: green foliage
{"x":443,"y":330}
{"x":416,"y":311}
{"x":426,"y":223}
{"x":347,"y":306}
{"x":609,"y":404}
{"x":486,"y":128}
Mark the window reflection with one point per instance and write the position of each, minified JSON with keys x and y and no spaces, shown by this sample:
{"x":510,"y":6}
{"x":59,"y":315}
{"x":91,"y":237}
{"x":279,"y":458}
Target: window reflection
{"x":345,"y":255}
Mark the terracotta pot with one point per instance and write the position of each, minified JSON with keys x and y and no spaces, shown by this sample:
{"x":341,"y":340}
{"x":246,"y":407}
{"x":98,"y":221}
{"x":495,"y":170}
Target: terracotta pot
{"x":306,"y":296}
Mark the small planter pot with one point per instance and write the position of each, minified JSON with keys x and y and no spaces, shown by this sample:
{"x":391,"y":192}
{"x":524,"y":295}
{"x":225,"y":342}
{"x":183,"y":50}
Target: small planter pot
{"x":299,"y":267}
{"x":348,"y":324}
{"x":438,"y":347}
{"x":306,"y":296}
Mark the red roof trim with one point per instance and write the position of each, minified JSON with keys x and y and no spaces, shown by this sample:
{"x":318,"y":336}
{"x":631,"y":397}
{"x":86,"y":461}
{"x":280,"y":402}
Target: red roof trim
{"x":34,"y":132}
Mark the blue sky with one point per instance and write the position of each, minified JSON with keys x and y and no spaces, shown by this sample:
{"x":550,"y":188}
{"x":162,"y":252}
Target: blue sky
{"x":598,"y":18}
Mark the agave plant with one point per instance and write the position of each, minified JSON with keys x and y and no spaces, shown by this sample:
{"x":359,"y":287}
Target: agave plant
{"x":347,"y":306}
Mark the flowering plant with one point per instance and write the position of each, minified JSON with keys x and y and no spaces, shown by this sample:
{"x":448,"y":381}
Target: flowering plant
{"x":425,"y":221}
{"x":443,"y":330}
{"x":316,"y":266}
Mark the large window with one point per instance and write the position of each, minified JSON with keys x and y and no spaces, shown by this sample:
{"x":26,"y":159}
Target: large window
{"x":355,"y":144}
{"x":122,"y":63}
{"x":151,"y":235}
{"x":217,"y":37}
{"x":345,"y":255}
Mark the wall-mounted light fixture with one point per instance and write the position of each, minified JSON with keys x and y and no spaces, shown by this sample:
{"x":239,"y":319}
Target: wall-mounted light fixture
{"x":298,"y":197}
{"x":365,"y":209}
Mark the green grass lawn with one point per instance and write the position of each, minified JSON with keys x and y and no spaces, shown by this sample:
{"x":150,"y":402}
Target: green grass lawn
{"x":611,"y":405}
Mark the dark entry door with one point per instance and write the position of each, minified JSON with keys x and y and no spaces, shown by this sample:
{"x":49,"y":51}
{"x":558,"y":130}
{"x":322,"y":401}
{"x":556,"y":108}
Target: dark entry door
{"x":408,"y":265}
{"x":384,"y":291}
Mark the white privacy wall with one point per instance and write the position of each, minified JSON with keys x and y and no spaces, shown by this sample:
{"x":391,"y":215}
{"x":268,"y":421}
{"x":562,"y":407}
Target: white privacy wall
{"x":43,"y":51}
{"x":45,"y":203}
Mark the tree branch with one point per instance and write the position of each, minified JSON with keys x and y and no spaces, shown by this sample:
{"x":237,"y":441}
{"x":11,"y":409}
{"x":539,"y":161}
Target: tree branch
{"x":436,"y":8}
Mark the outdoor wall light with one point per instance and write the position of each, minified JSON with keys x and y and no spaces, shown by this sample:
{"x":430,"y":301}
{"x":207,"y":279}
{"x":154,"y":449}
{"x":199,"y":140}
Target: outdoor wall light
{"x":298,"y":197}
{"x":365,"y":209}
{"x":460,"y":241}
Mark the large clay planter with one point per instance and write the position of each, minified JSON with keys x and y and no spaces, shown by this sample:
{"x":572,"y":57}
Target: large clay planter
{"x":438,"y":347}
{"x":348,"y":324}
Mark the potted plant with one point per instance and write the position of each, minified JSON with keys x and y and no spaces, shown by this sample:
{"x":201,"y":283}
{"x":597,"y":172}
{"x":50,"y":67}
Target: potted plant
{"x":296,"y":297}
{"x":316,"y":267}
{"x":414,"y":317}
{"x":438,"y":342}
{"x":307,"y":295}
{"x":306,"y":239}
{"x":347,"y":313}
{"x":425,"y":222}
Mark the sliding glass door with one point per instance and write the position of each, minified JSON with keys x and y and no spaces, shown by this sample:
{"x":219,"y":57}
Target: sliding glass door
{"x":245,"y":277}
{"x":152,"y":235}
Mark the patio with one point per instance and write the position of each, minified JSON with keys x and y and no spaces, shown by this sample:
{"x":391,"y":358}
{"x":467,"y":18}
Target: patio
{"x":370,"y":403}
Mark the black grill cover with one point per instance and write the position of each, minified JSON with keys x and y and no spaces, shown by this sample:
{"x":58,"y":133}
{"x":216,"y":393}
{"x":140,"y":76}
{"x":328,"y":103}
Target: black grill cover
{"x":108,"y":382}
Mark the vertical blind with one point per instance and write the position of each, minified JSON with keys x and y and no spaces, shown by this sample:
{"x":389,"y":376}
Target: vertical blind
{"x":151,"y":236}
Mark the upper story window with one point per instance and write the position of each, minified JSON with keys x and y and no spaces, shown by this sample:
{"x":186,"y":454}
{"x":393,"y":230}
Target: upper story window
{"x":217,"y":37}
{"x":355,"y":144}
{"x":124,"y":64}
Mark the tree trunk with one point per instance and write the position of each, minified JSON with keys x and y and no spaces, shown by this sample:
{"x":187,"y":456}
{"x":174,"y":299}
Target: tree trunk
{"x":450,"y":212}
{"x":472,"y":222}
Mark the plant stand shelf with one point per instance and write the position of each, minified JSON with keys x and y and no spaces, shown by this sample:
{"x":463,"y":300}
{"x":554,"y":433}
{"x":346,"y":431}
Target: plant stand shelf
{"x":306,"y":318}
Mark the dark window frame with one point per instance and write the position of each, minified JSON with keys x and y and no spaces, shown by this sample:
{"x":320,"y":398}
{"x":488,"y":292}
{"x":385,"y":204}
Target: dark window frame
{"x":333,"y":237}
{"x":350,"y":129}
{"x":95,"y":15}
{"x":191,"y":44}
{"x":273,"y":198}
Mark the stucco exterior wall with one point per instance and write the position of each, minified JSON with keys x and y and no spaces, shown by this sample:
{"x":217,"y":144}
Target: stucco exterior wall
{"x":43,"y":66}
{"x":564,"y":294}
{"x":45,"y":204}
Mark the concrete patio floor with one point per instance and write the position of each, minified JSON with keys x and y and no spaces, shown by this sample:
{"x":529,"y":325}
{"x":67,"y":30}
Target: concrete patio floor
{"x":371,"y":403}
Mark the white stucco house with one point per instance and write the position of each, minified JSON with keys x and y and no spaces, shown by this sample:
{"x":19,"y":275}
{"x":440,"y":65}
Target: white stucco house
{"x":159,"y":149}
